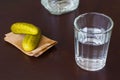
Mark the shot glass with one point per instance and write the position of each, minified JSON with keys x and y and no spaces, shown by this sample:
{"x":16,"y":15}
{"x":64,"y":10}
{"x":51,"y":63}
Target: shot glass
{"x":92,"y":33}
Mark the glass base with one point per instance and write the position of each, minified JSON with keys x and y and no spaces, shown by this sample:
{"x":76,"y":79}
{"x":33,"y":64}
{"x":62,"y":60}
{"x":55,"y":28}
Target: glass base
{"x":91,"y":65}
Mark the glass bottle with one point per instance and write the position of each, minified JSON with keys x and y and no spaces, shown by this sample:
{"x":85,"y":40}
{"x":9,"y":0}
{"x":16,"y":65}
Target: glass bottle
{"x":58,"y":7}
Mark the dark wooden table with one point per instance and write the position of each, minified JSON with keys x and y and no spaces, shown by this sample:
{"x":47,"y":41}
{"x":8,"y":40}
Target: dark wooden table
{"x":58,"y":62}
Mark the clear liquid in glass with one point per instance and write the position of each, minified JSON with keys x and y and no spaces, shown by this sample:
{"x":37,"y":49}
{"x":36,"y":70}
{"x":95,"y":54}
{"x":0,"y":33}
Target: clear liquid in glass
{"x":92,"y":47}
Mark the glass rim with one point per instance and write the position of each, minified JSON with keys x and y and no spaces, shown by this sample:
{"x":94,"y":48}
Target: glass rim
{"x":101,"y":14}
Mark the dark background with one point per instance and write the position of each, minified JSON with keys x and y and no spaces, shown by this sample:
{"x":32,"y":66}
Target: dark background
{"x":58,"y":62}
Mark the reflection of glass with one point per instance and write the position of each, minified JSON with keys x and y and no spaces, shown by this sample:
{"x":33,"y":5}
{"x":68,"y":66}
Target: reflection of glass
{"x":92,"y":37}
{"x":58,"y":7}
{"x":86,"y":75}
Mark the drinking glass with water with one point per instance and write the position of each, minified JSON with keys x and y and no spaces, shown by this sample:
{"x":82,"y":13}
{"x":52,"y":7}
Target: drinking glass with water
{"x":92,"y":38}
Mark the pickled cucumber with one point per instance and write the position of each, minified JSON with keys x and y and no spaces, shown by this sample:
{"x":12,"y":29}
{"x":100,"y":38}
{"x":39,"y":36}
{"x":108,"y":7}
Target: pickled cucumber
{"x":30,"y":42}
{"x":24,"y":28}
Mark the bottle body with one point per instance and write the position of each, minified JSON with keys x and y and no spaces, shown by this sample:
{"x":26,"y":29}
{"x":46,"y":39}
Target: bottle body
{"x":58,"y":7}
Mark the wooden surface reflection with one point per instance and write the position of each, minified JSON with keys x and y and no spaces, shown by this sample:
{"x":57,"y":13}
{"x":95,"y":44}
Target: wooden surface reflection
{"x":58,"y":62}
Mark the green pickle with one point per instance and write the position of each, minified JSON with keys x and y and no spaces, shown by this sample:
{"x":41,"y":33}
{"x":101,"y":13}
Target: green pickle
{"x":24,"y":28}
{"x":32,"y":34}
{"x":30,"y":42}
